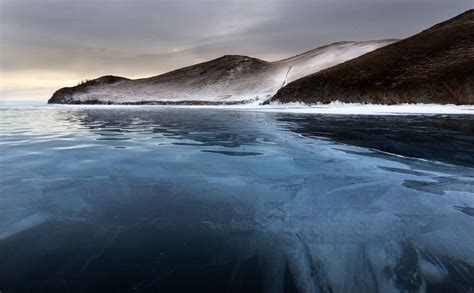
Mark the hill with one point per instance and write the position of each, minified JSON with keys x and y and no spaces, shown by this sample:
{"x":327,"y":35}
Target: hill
{"x":231,"y":79}
{"x":434,"y":66}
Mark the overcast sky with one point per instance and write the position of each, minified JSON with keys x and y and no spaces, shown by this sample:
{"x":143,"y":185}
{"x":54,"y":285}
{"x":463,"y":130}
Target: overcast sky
{"x":47,"y":44}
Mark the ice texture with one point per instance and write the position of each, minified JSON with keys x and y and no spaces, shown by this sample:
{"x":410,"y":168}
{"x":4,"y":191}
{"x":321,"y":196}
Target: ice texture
{"x":145,"y":199}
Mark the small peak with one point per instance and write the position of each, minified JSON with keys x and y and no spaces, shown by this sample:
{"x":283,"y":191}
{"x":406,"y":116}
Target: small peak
{"x":234,"y":57}
{"x":239,"y":59}
{"x":110,"y":79}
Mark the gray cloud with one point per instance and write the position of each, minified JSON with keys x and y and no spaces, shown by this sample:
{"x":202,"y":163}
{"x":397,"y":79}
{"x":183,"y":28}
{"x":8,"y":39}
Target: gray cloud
{"x":139,"y":38}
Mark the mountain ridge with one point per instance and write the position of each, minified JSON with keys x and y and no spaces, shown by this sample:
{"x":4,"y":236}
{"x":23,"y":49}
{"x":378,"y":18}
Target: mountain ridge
{"x":229,"y":79}
{"x":433,"y":66}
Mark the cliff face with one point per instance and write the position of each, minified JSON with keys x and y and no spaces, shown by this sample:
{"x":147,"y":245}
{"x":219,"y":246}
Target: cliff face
{"x":434,"y":66}
{"x":231,"y":79}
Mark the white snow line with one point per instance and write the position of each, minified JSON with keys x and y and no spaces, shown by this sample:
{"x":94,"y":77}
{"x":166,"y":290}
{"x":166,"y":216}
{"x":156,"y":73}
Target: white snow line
{"x":335,"y":108}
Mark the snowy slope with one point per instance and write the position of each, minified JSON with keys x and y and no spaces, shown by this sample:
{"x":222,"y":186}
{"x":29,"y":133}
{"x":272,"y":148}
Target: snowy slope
{"x":231,"y":79}
{"x":434,"y":66}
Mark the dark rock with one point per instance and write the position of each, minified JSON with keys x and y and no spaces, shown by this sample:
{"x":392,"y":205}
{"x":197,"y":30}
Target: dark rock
{"x":434,"y":66}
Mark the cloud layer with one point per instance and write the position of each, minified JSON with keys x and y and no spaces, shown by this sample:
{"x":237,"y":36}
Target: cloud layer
{"x":51,"y":43}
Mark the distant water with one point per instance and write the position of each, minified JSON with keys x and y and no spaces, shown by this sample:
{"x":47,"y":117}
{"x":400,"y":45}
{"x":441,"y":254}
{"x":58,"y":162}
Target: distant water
{"x":194,"y":200}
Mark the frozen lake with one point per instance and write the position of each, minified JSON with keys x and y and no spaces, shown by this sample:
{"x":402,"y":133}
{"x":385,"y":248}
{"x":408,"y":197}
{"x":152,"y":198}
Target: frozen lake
{"x":207,"y":200}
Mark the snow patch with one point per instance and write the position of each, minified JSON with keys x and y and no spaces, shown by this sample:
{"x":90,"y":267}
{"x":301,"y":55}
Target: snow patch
{"x":369,"y":109}
{"x":335,"y":108}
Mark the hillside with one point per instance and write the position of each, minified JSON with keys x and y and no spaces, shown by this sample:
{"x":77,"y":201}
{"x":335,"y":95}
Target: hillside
{"x":231,"y":79}
{"x":434,"y":66}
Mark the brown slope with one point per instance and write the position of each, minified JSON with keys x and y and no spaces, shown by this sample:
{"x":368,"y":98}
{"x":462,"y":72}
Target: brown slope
{"x":434,"y":66}
{"x":231,"y":79}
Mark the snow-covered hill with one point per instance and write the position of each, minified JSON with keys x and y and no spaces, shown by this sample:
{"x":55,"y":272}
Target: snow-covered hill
{"x":231,"y":79}
{"x":434,"y":66}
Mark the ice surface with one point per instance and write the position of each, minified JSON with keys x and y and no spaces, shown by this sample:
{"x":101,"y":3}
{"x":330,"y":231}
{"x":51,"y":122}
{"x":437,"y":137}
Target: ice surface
{"x":248,"y":199}
{"x":369,"y":109}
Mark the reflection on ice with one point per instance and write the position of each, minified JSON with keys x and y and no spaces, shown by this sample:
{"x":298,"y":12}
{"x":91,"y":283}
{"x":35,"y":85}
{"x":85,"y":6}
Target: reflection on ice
{"x":194,"y":200}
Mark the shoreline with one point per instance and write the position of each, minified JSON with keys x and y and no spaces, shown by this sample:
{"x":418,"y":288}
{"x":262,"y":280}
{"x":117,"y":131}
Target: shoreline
{"x":327,"y":109}
{"x":334,"y":108}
